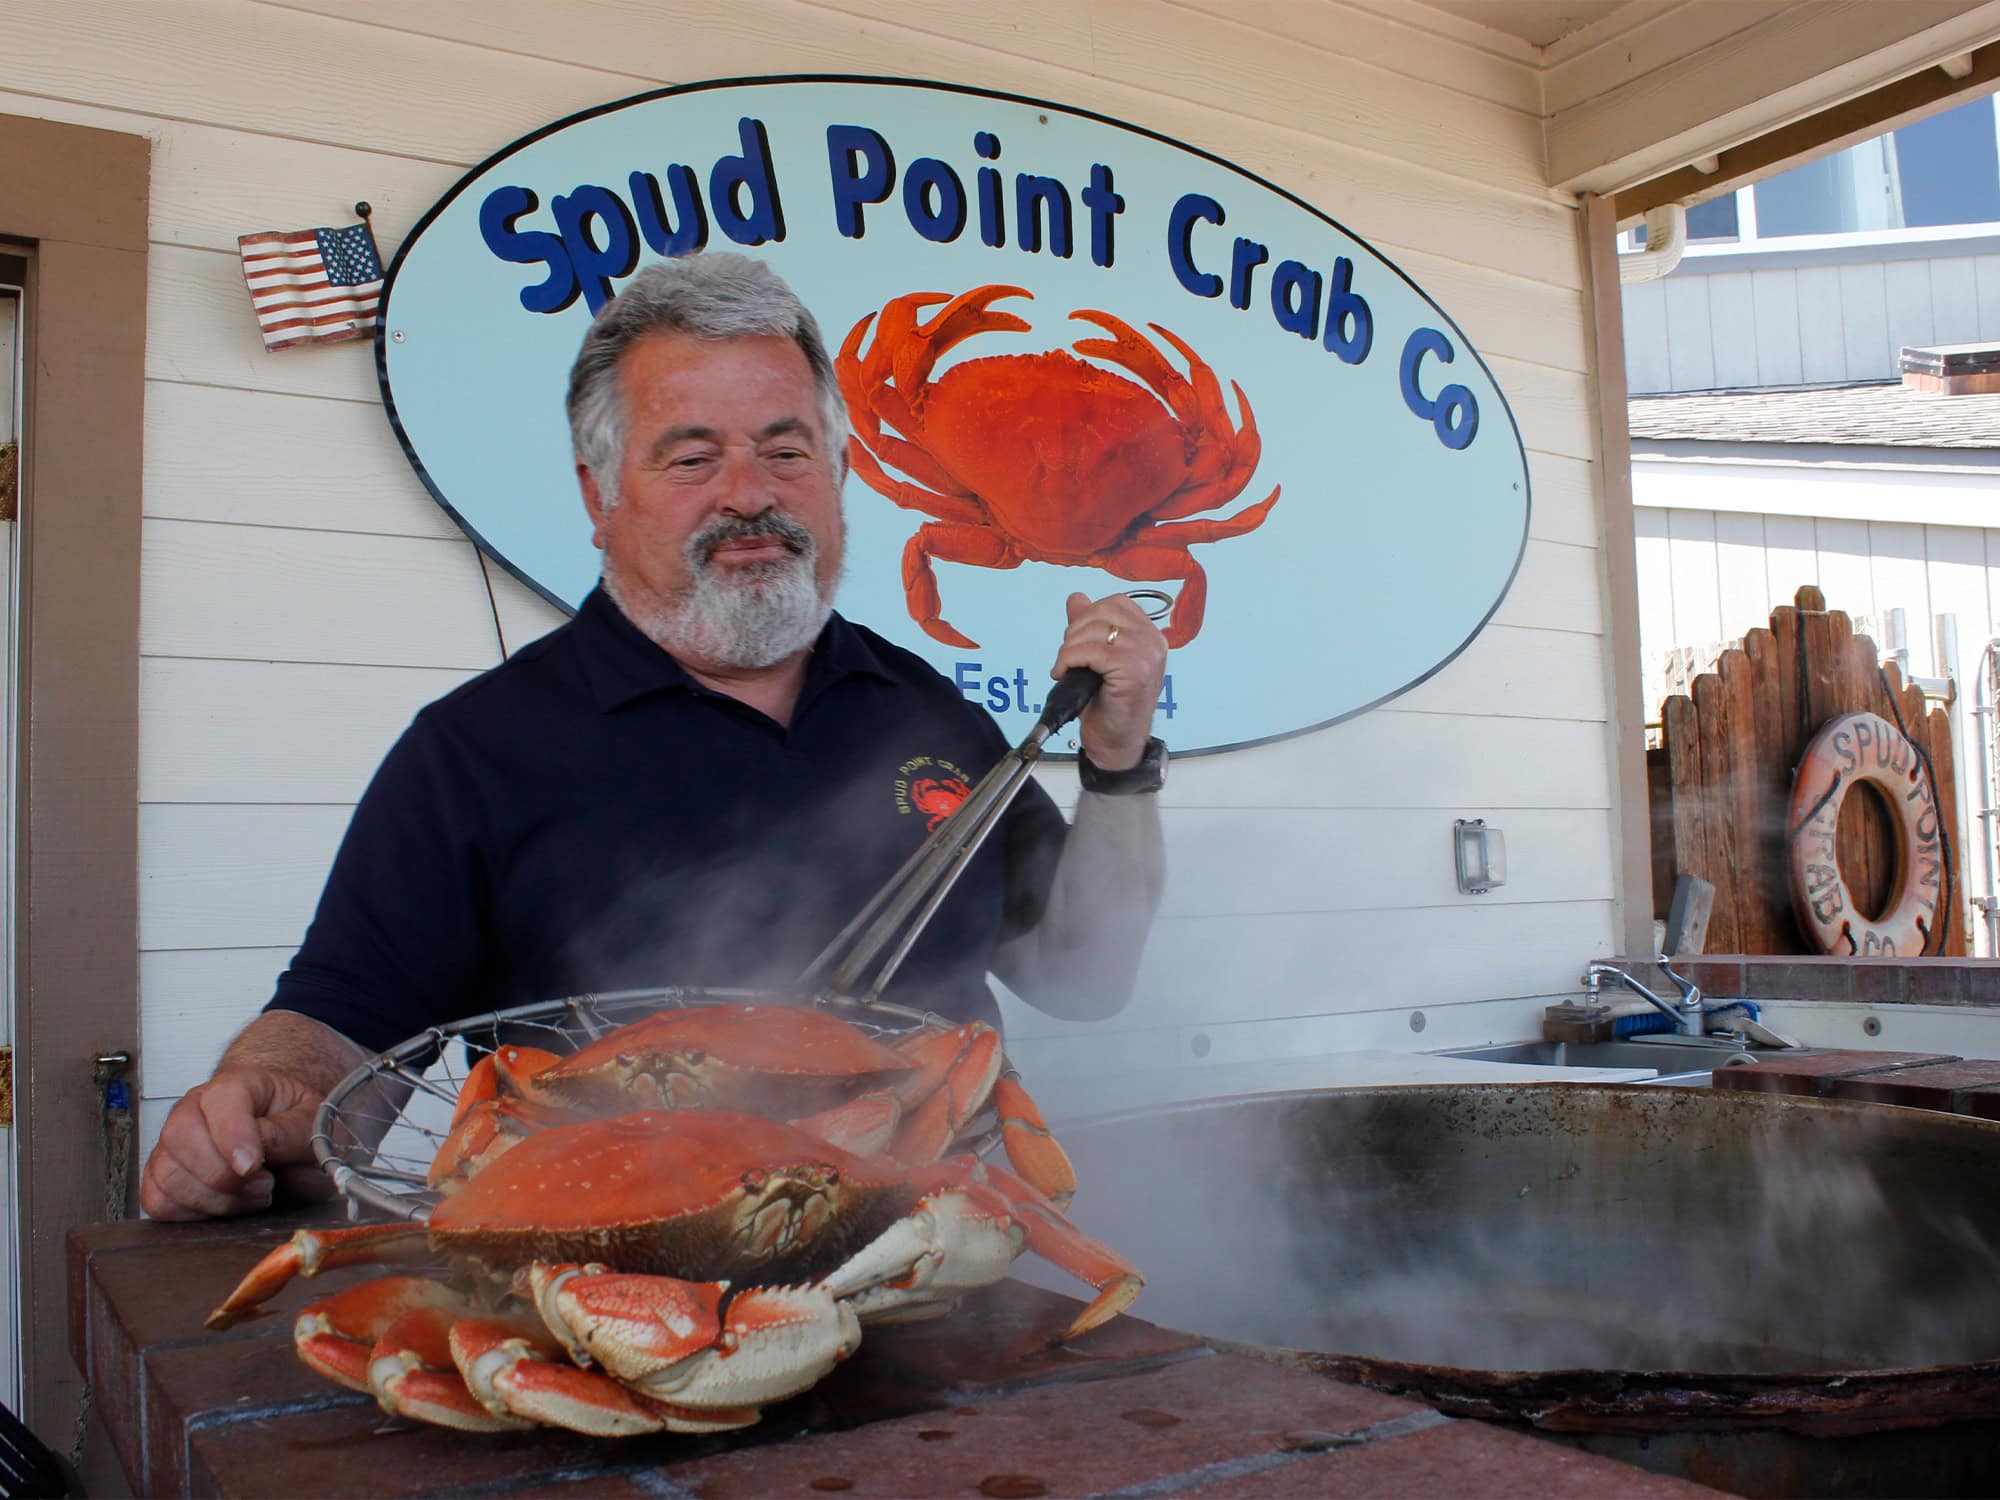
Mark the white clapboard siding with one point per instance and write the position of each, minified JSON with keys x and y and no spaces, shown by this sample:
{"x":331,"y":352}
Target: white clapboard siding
{"x":1742,"y":584}
{"x":1732,"y":314}
{"x":1562,"y":503}
{"x":1791,"y":552}
{"x":269,"y":70}
{"x":1864,"y":569}
{"x":1507,"y":315}
{"x":1774,"y":297}
{"x":1343,"y":860}
{"x":1634,"y":40}
{"x":1846,"y":573}
{"x":1384,"y":41}
{"x":234,"y":875}
{"x":1652,"y":551}
{"x":1691,"y":564}
{"x":1954,"y":290}
{"x":1690,"y":334}
{"x":1541,"y":674}
{"x":1553,"y":407}
{"x":260,"y":593}
{"x":1395,"y":758}
{"x":1205,"y":970}
{"x":288,"y":461}
{"x":1900,"y":580}
{"x":1556,"y":589}
{"x":1345,"y":172}
{"x":1986,"y":277}
{"x":276,"y":732}
{"x":1183,"y":54}
{"x":191,"y":1002}
{"x":1649,"y":364}
{"x":200,"y":329}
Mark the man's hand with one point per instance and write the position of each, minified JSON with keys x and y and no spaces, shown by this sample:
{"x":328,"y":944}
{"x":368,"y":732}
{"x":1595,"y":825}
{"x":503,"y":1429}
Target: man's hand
{"x":226,"y":1144}
{"x":1113,"y":637}
{"x":246,"y":1134}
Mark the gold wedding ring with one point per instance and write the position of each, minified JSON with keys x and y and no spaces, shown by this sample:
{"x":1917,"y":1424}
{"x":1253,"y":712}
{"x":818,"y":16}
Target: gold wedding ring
{"x":1111,"y":636}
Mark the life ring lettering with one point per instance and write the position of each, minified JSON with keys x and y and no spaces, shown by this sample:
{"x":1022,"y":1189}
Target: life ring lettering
{"x":1848,"y":750}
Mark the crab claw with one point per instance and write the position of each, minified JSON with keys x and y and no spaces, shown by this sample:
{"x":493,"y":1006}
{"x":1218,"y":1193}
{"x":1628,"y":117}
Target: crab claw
{"x":959,"y":1237}
{"x":336,"y":1334}
{"x":966,"y":1230}
{"x":311,"y":1251}
{"x":691,"y":1344}
{"x":515,"y":1370}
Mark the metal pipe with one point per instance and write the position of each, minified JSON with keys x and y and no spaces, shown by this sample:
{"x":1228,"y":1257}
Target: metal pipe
{"x":1686,"y":1013}
{"x":1982,"y":712}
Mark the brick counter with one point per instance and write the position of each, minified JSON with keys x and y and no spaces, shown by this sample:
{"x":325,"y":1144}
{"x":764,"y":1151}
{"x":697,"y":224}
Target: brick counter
{"x":976,"y":1404}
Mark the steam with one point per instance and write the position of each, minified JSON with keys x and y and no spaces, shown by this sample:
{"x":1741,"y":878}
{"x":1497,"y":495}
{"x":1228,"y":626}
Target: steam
{"x":1498,"y":1230}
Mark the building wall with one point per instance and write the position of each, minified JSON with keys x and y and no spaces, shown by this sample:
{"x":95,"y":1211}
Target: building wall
{"x":302,"y":596}
{"x":1807,"y":318}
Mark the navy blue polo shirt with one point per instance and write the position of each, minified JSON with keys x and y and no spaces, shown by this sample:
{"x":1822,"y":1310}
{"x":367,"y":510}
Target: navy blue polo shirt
{"x":587,"y":817}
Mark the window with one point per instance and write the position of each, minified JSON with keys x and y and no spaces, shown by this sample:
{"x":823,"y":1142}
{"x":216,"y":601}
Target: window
{"x":1942,"y":173}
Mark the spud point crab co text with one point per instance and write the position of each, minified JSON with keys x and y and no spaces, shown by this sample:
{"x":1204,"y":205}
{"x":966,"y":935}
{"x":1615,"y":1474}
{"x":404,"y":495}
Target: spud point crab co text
{"x":595,"y":233}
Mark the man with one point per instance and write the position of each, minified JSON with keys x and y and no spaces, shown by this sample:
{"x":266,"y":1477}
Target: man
{"x":699,"y":778}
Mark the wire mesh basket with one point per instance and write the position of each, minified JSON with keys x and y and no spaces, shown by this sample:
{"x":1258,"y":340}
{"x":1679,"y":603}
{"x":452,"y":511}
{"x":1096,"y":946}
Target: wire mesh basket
{"x":381,"y":1125}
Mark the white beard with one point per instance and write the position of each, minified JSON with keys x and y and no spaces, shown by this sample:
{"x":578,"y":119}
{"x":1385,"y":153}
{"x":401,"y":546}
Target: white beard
{"x":742,"y":618}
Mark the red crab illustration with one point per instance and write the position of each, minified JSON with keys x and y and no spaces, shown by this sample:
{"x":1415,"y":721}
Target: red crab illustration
{"x":1044,"y":457}
{"x":938,"y":799}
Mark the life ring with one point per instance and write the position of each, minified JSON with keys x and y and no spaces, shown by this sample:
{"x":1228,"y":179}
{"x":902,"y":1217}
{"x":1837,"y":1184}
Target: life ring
{"x":1848,"y":750}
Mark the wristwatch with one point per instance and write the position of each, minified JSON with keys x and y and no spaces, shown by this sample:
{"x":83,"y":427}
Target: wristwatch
{"x":1149,"y":775}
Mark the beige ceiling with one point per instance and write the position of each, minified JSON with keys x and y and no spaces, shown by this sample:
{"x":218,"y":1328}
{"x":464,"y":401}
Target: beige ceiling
{"x":1536,"y":22}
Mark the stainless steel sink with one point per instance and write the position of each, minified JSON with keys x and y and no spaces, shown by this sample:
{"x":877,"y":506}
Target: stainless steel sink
{"x":1676,"y":1059}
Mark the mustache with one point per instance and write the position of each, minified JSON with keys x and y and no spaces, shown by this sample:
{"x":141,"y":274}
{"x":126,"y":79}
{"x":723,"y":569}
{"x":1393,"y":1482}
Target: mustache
{"x":795,"y":538}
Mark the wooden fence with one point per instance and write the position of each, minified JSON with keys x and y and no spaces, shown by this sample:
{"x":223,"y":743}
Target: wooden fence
{"x":1722,"y":782}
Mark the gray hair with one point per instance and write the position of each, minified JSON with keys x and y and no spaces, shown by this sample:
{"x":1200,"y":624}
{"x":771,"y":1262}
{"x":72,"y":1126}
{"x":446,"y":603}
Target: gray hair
{"x":717,"y":294}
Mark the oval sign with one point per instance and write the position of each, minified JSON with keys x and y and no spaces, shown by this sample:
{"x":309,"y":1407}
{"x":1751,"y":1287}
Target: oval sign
{"x":1128,"y":364}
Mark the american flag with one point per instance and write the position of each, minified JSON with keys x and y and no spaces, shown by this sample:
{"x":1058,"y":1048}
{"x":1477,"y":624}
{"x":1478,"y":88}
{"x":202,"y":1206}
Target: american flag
{"x":313,"y":286}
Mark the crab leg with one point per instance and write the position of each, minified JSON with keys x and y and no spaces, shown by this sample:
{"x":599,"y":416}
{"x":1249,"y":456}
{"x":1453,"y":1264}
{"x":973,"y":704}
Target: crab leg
{"x":862,"y":1125}
{"x":311,"y":1251}
{"x":336,"y":1334}
{"x":1035,"y":1153}
{"x":413,"y":1374}
{"x":954,"y":543}
{"x":691,"y":1344}
{"x":1061,"y":1243}
{"x":515,"y":1370}
{"x":955,"y":1073}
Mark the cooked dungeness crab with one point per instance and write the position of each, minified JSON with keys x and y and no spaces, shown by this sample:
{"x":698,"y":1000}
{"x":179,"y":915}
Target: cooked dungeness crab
{"x":909,"y":1100}
{"x":665,"y":1269}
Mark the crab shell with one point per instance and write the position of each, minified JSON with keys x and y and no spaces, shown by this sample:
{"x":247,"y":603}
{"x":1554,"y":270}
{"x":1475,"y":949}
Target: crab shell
{"x":757,"y":1058}
{"x":693,"y":1194}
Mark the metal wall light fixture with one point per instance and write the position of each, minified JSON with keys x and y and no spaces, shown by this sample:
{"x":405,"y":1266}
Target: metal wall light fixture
{"x":1480,"y":854}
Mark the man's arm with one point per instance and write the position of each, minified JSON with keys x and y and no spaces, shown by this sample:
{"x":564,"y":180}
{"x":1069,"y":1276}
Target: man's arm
{"x":229,"y":1144}
{"x":1079,"y":961}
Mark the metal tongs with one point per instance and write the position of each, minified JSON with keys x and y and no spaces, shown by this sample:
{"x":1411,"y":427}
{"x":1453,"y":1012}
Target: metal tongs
{"x":892,"y":922}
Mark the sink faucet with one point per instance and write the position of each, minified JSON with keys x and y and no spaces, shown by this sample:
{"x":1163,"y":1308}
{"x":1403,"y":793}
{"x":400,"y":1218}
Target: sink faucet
{"x":1686,"y":1013}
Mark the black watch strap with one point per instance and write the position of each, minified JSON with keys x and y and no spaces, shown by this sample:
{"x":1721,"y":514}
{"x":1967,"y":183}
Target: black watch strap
{"x":1147,"y":776}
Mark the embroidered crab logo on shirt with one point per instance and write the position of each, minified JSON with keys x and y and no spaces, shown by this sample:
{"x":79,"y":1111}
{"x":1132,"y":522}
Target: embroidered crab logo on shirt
{"x":931,"y":787}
